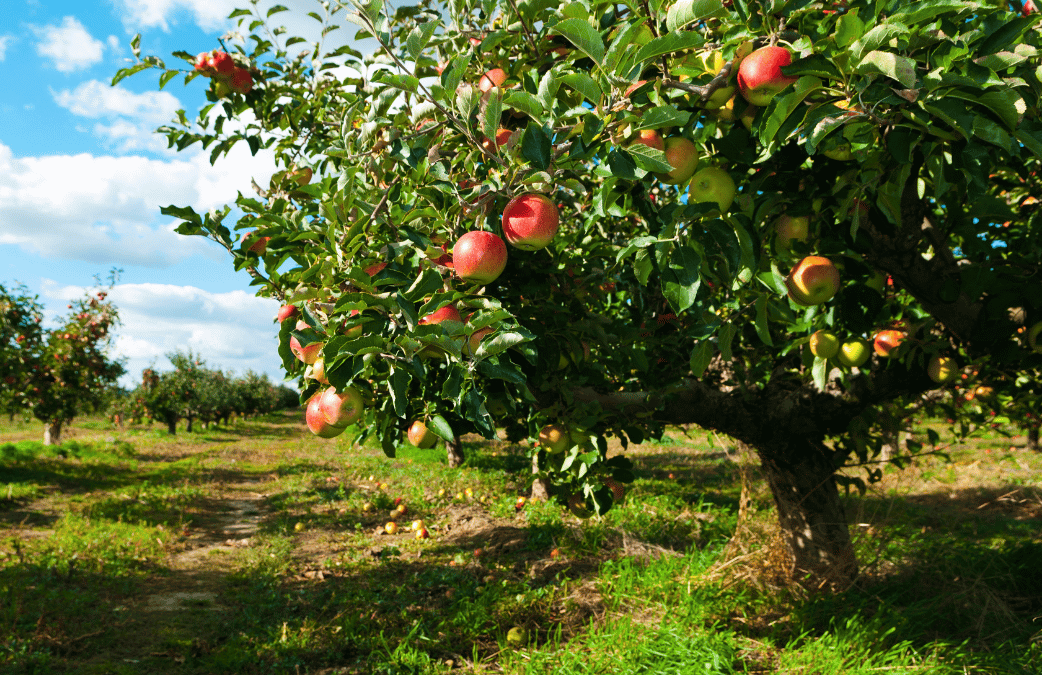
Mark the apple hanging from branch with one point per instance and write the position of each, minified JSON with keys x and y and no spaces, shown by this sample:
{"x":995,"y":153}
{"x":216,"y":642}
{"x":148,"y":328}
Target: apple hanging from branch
{"x":815,"y":280}
{"x":760,"y":77}
{"x":530,"y":221}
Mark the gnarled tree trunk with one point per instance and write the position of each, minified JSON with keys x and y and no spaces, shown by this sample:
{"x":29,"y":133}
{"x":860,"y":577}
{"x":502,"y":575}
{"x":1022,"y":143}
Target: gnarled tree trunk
{"x":454,"y":451}
{"x":171,"y":426}
{"x":540,"y":488}
{"x":52,"y":433}
{"x":811,"y":514}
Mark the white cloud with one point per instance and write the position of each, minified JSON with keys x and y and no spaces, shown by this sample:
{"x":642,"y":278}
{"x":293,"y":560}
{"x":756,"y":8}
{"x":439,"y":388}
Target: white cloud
{"x":134,"y":116}
{"x":69,"y":45}
{"x":230,"y":331}
{"x":5,"y":42}
{"x":210,"y":15}
{"x":104,"y":209}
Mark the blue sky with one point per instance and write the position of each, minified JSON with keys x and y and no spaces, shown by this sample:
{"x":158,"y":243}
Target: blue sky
{"x":82,"y":177}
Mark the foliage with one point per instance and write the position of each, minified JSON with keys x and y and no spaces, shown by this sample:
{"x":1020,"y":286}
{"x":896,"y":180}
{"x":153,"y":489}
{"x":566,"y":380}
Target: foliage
{"x":910,"y":138}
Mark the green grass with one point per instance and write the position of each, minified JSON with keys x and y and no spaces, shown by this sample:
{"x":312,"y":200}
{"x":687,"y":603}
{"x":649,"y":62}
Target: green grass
{"x":97,"y":532}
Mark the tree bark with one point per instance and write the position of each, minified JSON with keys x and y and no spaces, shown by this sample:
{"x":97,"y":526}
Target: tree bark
{"x":171,"y":426}
{"x":188,"y":427}
{"x":540,"y":488}
{"x":811,"y":515}
{"x":455,"y":452}
{"x":1033,"y":438}
{"x":52,"y":433}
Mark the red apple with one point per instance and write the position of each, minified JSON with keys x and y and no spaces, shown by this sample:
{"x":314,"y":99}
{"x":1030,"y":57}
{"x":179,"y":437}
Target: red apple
{"x":287,"y":312}
{"x":318,"y":371}
{"x":682,"y":155}
{"x":341,"y":409}
{"x":301,"y":176}
{"x":421,"y":436}
{"x":470,"y":347}
{"x":242,"y":81}
{"x":530,"y":221}
{"x":259,"y":246}
{"x":493,"y":78}
{"x":375,"y":269}
{"x":204,"y":63}
{"x":1029,"y":7}
{"x":887,"y":341}
{"x":650,"y":138}
{"x":308,"y":354}
{"x":446,"y":313}
{"x":760,"y":77}
{"x":317,"y":422}
{"x":222,"y":63}
{"x":815,"y":280}
{"x":479,"y":257}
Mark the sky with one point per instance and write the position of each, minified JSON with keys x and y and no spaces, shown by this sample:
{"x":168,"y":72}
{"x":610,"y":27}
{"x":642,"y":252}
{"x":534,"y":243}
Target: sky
{"x":83,"y":175}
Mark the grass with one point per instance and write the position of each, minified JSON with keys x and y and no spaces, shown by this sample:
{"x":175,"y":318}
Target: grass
{"x":257,"y":548}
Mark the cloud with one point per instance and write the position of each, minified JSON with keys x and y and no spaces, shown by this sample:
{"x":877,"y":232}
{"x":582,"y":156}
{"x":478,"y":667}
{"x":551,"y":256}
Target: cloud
{"x":69,"y":45}
{"x":230,"y":331}
{"x":134,"y":116}
{"x":5,"y":42}
{"x":210,"y":15}
{"x":104,"y":209}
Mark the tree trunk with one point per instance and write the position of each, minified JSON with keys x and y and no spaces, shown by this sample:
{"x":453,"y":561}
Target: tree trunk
{"x":540,"y":487}
{"x":1033,"y":438}
{"x":455,"y":452}
{"x":171,"y":426}
{"x":188,"y":427}
{"x":52,"y":433}
{"x":811,"y":515}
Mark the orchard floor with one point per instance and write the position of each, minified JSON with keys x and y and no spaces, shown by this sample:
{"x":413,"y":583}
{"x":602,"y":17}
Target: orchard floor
{"x":246,"y":549}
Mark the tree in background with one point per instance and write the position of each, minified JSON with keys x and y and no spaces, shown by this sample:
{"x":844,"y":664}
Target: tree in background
{"x":61,"y":373}
{"x":779,"y":222}
{"x":20,"y":336}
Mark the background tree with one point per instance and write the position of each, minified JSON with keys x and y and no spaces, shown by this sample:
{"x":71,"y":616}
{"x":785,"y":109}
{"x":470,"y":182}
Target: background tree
{"x":20,"y":336}
{"x":897,"y":144}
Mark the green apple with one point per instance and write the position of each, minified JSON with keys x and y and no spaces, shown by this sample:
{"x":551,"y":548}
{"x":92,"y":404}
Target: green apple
{"x":824,"y":344}
{"x":517,"y":637}
{"x":713,"y":184}
{"x":815,"y":280}
{"x":854,"y":353}
{"x":555,"y":438}
{"x":877,"y":282}
{"x":789,"y":229}
{"x":1033,"y":334}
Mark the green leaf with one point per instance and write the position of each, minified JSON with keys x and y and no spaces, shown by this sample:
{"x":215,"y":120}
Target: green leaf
{"x":681,"y":279}
{"x":820,"y":372}
{"x":275,"y":9}
{"x":493,"y":113}
{"x":489,"y":369}
{"x":441,"y":426}
{"x":663,"y":116}
{"x":670,"y":43}
{"x":420,"y":36}
{"x":649,"y":159}
{"x":548,"y":87}
{"x":537,"y":147}
{"x":724,"y":338}
{"x":686,"y":12}
{"x":815,"y":64}
{"x":900,"y":68}
{"x":875,"y":38}
{"x":398,"y":388}
{"x":849,"y":28}
{"x":622,"y":165}
{"x":585,"y":85}
{"x":524,"y":102}
{"x":701,"y":355}
{"x":761,"y":321}
{"x":581,"y":34}
{"x":928,"y":9}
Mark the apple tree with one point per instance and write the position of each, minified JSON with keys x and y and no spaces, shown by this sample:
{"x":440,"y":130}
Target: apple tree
{"x":20,"y":336}
{"x":703,"y":186}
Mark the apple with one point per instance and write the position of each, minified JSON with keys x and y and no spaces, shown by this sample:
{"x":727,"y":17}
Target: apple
{"x":748,"y":116}
{"x":422,"y":533}
{"x":877,"y":282}
{"x":682,"y":155}
{"x":824,"y":344}
{"x":417,"y":525}
{"x":887,"y":341}
{"x":259,"y":246}
{"x":713,"y":184}
{"x":839,"y":152}
{"x":630,"y":90}
{"x":242,"y":81}
{"x":222,"y":63}
{"x":760,"y":77}
{"x":287,"y":312}
{"x":317,"y":422}
{"x":421,"y":436}
{"x":344,"y":408}
{"x":815,"y":280}
{"x":791,"y":229}
{"x":555,"y":438}
{"x":530,"y":221}
{"x":492,"y":78}
{"x":470,"y":347}
{"x":618,"y":490}
{"x":204,"y":63}
{"x":984,"y":392}
{"x":650,"y":138}
{"x":391,"y":527}
{"x":446,"y":313}
{"x":941,"y":369}
{"x":1029,"y":7}
{"x":375,"y":269}
{"x":517,"y":637}
{"x":318,"y":370}
{"x":1033,"y":334}
{"x":308,"y":354}
{"x":479,"y":257}
{"x":853,"y":353}
{"x":301,"y":176}
{"x":577,"y":505}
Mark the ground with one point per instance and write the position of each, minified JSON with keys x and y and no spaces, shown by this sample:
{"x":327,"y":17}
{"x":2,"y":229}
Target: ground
{"x":248,"y":549}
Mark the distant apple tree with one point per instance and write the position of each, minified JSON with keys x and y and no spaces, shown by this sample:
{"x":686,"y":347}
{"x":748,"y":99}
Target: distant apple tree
{"x":725,"y":180}
{"x":60,"y":373}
